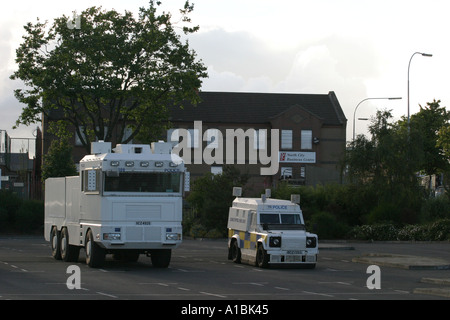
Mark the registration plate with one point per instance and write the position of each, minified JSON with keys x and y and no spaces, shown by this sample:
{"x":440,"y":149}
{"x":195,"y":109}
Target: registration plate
{"x":294,"y":252}
{"x":293,"y":258}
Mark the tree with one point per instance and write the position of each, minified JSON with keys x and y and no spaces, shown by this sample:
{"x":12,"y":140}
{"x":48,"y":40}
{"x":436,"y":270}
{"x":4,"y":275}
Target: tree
{"x":211,"y":196}
{"x":110,"y":73}
{"x":443,"y":141}
{"x":427,"y":123}
{"x":387,"y":165}
{"x":58,"y":161}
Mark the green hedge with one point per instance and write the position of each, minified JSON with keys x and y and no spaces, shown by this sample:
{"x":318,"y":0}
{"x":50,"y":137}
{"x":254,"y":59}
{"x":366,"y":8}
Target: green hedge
{"x":438,"y":230}
{"x":20,"y":216}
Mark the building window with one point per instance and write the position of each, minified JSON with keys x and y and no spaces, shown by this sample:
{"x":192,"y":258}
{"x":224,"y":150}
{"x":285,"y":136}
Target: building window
{"x":216,"y":170}
{"x":286,"y":173}
{"x":259,"y":139}
{"x":306,"y":139}
{"x":286,"y":139}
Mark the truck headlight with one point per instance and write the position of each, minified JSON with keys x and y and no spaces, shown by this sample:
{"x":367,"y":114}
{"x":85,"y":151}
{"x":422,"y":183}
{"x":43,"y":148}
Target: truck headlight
{"x":275,"y":242}
{"x":111,"y":236}
{"x":311,"y":242}
{"x":173,"y":236}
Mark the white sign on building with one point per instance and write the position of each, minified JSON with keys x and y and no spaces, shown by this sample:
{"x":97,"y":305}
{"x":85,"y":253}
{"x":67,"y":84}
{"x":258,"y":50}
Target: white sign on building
{"x":296,"y":157}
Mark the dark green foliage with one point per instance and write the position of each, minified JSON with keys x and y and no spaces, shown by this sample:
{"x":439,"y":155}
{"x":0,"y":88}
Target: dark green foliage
{"x":30,"y":217}
{"x":435,"y":231}
{"x":9,"y":206}
{"x":58,"y":161}
{"x":436,"y":208}
{"x":20,"y":216}
{"x":111,"y":73}
{"x":210,"y":198}
{"x":327,"y":226}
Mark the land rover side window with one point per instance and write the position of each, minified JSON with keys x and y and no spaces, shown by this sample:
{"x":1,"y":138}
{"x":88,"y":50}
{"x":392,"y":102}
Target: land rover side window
{"x":143,"y":182}
{"x":290,"y":219}
{"x":91,"y":181}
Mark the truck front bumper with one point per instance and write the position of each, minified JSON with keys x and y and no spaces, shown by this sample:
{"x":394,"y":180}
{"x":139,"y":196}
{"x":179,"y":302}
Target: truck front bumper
{"x":293,"y":257}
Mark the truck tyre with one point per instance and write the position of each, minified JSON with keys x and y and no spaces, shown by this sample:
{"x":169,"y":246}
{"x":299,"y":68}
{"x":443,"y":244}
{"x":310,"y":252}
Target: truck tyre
{"x":262,"y":258}
{"x":95,"y":255}
{"x":161,"y":258}
{"x":69,"y":253}
{"x":235,"y":252}
{"x":55,"y":244}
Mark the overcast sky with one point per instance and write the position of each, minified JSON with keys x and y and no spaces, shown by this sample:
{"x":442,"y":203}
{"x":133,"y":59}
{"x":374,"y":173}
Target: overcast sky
{"x":357,"y":48}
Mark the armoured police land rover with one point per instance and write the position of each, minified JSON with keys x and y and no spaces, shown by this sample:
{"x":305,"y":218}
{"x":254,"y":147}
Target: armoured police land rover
{"x":264,"y":231}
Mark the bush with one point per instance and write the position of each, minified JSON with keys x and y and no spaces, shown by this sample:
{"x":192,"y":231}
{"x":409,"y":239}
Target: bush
{"x":436,"y":208}
{"x":438,"y":230}
{"x":326,"y":226}
{"x":216,"y":234}
{"x":384,"y":212}
{"x":412,"y":233}
{"x":17,"y":215}
{"x":9,"y":206}
{"x":211,"y":196}
{"x":30,"y":217}
{"x":376,"y":232}
{"x":198,"y":231}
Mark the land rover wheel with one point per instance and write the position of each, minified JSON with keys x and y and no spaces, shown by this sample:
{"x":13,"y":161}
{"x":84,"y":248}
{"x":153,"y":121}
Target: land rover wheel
{"x":55,"y":244}
{"x":235,"y":252}
{"x":161,"y":258}
{"x":95,"y":255}
{"x":69,"y":253}
{"x":262,"y":258}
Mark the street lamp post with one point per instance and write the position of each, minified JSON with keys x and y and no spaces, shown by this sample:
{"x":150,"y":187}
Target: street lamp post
{"x":409,"y":65}
{"x":354,"y":113}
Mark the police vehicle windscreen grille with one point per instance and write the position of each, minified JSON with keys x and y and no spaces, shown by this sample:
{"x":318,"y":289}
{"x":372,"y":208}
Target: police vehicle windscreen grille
{"x":143,"y":182}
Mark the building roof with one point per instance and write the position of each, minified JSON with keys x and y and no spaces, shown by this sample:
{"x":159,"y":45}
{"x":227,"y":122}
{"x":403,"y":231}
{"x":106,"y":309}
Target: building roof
{"x":240,"y":107}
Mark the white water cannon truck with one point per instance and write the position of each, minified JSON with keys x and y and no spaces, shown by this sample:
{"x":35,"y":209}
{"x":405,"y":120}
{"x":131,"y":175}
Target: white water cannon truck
{"x":126,"y":202}
{"x":264,"y":232}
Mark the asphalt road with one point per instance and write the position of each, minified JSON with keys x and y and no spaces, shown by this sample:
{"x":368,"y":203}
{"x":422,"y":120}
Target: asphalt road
{"x":199,"y":270}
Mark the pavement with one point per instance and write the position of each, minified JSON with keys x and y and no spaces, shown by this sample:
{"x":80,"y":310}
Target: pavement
{"x":335,"y":246}
{"x":409,"y":262}
{"x":404,"y":261}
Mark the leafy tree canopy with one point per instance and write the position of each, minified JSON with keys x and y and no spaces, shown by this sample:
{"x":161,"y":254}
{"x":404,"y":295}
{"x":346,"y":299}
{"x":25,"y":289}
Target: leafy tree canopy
{"x":109,"y":72}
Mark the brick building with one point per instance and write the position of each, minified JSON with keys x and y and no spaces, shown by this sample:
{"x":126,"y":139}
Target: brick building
{"x":311,"y":130}
{"x":312,"y":133}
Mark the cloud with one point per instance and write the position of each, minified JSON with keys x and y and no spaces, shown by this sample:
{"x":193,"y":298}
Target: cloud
{"x":238,"y":61}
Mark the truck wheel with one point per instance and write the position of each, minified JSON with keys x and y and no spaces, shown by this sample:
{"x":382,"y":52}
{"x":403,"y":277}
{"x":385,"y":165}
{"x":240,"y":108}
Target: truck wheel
{"x":95,"y":255}
{"x":262,"y":258}
{"x":55,"y":244}
{"x":161,"y":258}
{"x":69,"y":253}
{"x":235,"y":252}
